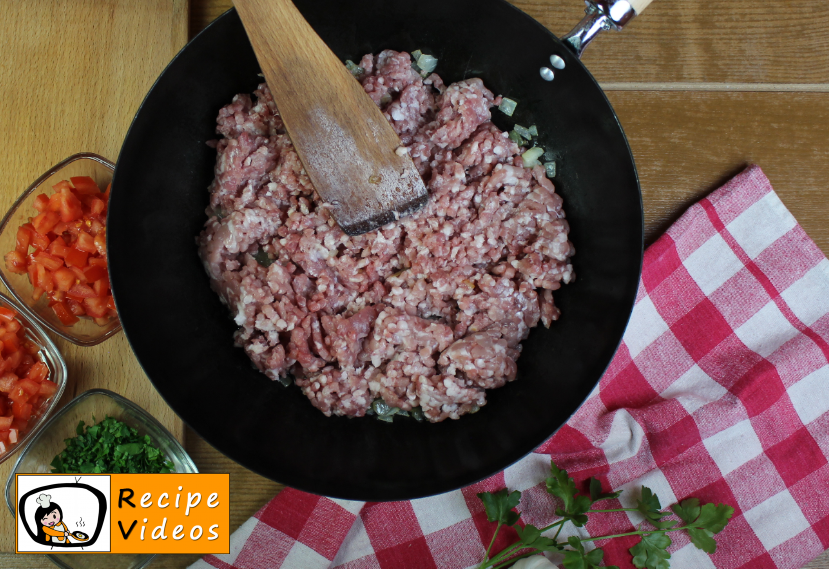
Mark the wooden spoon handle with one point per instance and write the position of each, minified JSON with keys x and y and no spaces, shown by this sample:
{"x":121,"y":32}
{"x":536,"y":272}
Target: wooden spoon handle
{"x":347,"y":146}
{"x":639,"y":5}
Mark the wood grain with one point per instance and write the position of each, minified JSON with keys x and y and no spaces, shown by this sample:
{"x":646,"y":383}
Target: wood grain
{"x":348,"y":148}
{"x":73,"y":73}
{"x":687,"y":144}
{"x":734,"y":41}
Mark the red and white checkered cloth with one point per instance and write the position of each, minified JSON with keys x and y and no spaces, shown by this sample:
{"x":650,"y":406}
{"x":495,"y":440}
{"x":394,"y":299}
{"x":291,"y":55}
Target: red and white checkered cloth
{"x":719,"y":391}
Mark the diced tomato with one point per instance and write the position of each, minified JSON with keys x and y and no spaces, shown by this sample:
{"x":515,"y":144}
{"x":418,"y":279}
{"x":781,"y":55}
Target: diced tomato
{"x":95,"y":307}
{"x":76,"y":258}
{"x":32,"y":270}
{"x":38,"y":372}
{"x":13,"y":360}
{"x":101,"y":243}
{"x":62,"y":185}
{"x":55,"y":200}
{"x":79,"y":274}
{"x":29,"y":386}
{"x":96,"y":206}
{"x":95,"y":227}
{"x":7,"y":314}
{"x":70,"y":206}
{"x":101,"y":288}
{"x":41,"y":202}
{"x":39,"y":241}
{"x":11,"y":344}
{"x":47,"y":388}
{"x":81,"y":291}
{"x":16,"y":262}
{"x":4,"y":405}
{"x":24,"y":236}
{"x":58,"y":247}
{"x":94,"y":273}
{"x":64,"y":315}
{"x":44,"y":279}
{"x":75,"y":307}
{"x":64,"y":230}
{"x":30,"y":347}
{"x":26,"y":363}
{"x":49,"y":261}
{"x":18,"y":394}
{"x":84,"y":185}
{"x":20,"y":424}
{"x":85,"y":242}
{"x":22,"y":411}
{"x":64,"y":279}
{"x":13,"y":326}
{"x":6,"y":422}
{"x":46,"y":221}
{"x":68,"y":259}
{"x":7,"y":381}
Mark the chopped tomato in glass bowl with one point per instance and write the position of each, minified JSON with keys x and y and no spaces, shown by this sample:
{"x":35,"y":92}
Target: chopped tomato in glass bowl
{"x":54,"y":244}
{"x":32,"y":378}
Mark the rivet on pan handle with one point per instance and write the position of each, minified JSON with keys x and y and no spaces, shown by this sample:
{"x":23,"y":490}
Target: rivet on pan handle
{"x":599,"y":15}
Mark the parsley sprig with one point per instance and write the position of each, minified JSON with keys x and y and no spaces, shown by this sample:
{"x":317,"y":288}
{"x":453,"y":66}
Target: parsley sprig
{"x":701,"y":522}
{"x":110,"y":447}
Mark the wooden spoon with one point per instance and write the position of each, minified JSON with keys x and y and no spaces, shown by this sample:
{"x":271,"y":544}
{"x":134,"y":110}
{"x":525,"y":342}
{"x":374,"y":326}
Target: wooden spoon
{"x":348,"y":148}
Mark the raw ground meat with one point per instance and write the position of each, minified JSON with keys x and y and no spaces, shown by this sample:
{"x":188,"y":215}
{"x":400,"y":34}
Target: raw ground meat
{"x":428,"y":311}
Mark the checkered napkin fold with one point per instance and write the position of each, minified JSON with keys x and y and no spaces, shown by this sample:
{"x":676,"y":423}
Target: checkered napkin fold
{"x":719,"y":391}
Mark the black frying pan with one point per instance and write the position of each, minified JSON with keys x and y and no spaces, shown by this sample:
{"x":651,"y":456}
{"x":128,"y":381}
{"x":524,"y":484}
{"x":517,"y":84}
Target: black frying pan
{"x":182,"y":334}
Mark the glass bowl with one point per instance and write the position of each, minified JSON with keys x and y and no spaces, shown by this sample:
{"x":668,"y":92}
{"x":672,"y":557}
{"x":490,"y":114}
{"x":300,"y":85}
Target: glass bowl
{"x":49,"y":442}
{"x":85,"y":332}
{"x":49,"y":355}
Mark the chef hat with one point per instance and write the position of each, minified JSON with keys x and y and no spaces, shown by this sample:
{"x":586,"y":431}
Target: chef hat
{"x":44,"y":500}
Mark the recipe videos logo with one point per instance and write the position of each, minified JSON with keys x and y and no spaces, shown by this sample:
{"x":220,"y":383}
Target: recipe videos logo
{"x":123,"y":513}
{"x":57,"y":513}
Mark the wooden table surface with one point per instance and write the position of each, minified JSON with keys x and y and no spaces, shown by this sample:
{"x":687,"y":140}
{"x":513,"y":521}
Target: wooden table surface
{"x":702,"y":89}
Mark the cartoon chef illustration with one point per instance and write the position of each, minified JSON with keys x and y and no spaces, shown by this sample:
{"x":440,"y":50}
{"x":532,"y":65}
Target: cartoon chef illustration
{"x":49,"y":521}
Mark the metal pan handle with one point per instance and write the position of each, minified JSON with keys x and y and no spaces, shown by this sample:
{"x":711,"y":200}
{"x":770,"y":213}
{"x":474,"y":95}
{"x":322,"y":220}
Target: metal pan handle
{"x":602,"y":15}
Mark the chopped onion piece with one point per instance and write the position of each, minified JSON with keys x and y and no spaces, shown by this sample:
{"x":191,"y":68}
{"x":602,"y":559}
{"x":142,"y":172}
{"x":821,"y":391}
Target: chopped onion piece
{"x":531,"y":156}
{"x":507,"y":106}
{"x":533,"y":130}
{"x":427,"y":63}
{"x":549,"y":156}
{"x":380,"y":407}
{"x":516,"y":138}
{"x":416,"y":54}
{"x":261,"y":257}
{"x":523,"y":131}
{"x":551,"y":169}
{"x":353,"y":67}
